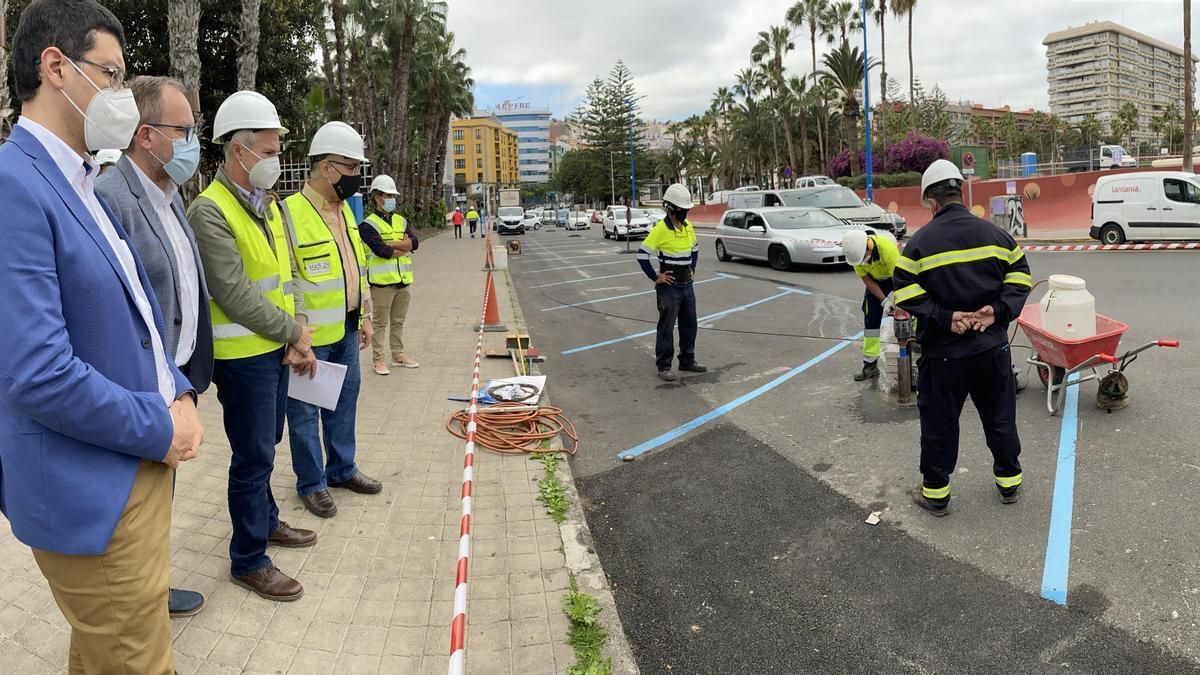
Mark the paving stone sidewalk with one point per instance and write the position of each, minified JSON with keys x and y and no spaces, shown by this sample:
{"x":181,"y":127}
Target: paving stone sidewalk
{"x":380,"y":581}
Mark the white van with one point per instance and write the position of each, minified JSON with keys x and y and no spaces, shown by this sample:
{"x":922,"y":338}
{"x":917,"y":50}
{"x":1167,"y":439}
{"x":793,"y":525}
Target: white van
{"x":1148,"y":206}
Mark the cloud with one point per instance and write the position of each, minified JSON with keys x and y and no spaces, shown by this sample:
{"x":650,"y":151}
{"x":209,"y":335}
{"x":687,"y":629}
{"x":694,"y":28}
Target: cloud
{"x":680,"y":51}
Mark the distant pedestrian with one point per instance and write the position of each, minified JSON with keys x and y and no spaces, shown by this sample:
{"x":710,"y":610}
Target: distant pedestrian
{"x":874,"y":258}
{"x":457,"y":219}
{"x":965,"y":280}
{"x":673,"y":241}
{"x":472,"y":220}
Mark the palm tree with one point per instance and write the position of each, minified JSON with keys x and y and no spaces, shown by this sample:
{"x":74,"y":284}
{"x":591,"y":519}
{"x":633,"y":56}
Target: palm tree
{"x":905,"y":8}
{"x":810,"y":13}
{"x":798,"y":95}
{"x":1189,"y":76}
{"x":247,"y":54}
{"x":183,"y":26}
{"x":405,"y":20}
{"x":337,"y":9}
{"x":879,"y":10}
{"x":773,"y":44}
{"x":840,"y":19}
{"x":844,"y":71}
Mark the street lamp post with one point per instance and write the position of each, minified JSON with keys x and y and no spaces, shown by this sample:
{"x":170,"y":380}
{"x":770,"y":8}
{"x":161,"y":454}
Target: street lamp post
{"x":867,"y":107}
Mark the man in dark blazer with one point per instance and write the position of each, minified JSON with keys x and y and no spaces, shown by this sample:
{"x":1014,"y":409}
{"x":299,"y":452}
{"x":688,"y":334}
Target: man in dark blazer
{"x":94,"y":415}
{"x":143,"y":192}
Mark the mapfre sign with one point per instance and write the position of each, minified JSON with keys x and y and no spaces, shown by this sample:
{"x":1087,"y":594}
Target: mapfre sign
{"x":509,"y":106}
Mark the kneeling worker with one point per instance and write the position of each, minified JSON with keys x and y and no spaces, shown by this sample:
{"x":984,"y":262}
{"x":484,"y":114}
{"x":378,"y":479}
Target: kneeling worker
{"x":874,"y":258}
{"x":673,"y":241}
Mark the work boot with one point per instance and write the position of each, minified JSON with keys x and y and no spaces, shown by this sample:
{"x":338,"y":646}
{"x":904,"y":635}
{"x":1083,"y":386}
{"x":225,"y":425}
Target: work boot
{"x":693,"y":367}
{"x":870,"y":371}
{"x":1010,"y":495}
{"x":937,"y":507}
{"x":271,"y":584}
{"x":667,"y":375}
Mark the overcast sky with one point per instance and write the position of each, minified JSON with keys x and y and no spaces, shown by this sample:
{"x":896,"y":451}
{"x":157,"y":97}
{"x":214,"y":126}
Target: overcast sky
{"x":547,"y":51}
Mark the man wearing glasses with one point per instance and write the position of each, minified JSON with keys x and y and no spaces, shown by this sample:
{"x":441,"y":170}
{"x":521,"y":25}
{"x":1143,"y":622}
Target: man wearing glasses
{"x":331,"y":271}
{"x":94,"y":413}
{"x":143,"y":192}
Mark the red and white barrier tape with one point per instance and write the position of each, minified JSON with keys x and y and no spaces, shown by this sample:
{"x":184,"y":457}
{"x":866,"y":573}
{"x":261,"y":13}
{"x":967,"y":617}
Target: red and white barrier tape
{"x":1113,"y":247}
{"x":458,"y":627}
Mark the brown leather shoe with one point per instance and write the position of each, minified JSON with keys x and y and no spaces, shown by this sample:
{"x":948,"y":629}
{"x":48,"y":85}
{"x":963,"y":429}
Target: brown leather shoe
{"x":271,"y":584}
{"x":290,"y":537}
{"x":360,"y":483}
{"x":320,"y":503}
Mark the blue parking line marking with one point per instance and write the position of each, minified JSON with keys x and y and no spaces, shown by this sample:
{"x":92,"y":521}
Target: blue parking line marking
{"x":702,"y":319}
{"x":663,"y":439}
{"x":1058,"y":539}
{"x":720,"y":276}
{"x":579,"y":281}
{"x":627,"y":261}
{"x":574,"y":257}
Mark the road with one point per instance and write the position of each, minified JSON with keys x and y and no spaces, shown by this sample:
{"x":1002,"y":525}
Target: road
{"x":737,"y":540}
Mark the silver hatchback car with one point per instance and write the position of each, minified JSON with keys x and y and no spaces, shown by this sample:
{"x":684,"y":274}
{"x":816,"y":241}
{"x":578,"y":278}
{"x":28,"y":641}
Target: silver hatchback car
{"x":782,"y":236}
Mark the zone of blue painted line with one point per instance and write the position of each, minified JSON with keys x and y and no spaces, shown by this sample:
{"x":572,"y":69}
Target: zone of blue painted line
{"x":574,"y":257}
{"x":1058,"y":540}
{"x":627,"y":261}
{"x":726,"y":312}
{"x":720,"y":276}
{"x":663,"y":439}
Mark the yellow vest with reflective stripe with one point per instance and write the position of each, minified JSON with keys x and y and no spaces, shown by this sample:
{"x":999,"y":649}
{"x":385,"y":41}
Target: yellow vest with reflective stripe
{"x":267,"y":266}
{"x":319,"y":265}
{"x":389,"y":271}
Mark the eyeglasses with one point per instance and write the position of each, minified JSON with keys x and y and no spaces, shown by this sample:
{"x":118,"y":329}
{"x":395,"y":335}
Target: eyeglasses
{"x":344,"y":165}
{"x":116,"y":76}
{"x":189,"y":131}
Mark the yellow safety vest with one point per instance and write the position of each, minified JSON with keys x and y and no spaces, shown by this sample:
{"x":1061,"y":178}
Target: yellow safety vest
{"x":319,"y":264}
{"x":389,"y":271}
{"x":267,"y":266}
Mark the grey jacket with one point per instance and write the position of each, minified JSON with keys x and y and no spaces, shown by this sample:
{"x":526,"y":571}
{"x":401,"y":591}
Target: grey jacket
{"x":122,"y":190}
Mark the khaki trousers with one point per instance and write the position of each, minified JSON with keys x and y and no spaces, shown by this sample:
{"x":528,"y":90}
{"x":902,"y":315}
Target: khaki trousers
{"x":116,"y":603}
{"x":389,"y":305}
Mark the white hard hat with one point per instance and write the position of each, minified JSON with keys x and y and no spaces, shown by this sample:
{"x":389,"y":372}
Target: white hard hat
{"x":854,"y":246}
{"x":384,"y":183}
{"x":246,"y":110}
{"x":337,"y":138}
{"x":108,"y":157}
{"x":940,"y":171}
{"x":678,"y":196}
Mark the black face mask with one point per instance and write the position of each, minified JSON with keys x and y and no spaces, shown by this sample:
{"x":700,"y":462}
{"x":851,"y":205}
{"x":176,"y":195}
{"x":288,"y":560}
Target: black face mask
{"x":679,"y":214}
{"x":347,"y":186}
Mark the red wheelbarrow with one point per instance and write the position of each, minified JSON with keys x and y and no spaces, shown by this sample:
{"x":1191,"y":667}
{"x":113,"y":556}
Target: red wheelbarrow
{"x":1057,"y":359}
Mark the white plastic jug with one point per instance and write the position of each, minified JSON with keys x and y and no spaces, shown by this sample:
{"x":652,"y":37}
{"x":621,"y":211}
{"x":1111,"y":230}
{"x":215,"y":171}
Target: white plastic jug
{"x":1068,"y":310}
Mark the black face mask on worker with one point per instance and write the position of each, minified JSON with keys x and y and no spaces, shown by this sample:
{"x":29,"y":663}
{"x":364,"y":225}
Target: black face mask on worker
{"x":679,"y":214}
{"x":346,"y":186}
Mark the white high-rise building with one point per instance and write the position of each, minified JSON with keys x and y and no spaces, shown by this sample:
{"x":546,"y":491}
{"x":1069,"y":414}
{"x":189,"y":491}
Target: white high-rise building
{"x":533,"y":138}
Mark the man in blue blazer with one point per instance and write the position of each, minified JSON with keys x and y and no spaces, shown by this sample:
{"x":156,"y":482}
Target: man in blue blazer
{"x":143,"y":192}
{"x":93,"y":414}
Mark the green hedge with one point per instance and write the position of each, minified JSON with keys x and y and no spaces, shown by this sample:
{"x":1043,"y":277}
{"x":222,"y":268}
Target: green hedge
{"x":885,"y":180}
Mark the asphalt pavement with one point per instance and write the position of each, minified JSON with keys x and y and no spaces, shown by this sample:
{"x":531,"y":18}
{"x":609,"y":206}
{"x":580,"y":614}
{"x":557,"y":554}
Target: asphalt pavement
{"x":832,"y":450}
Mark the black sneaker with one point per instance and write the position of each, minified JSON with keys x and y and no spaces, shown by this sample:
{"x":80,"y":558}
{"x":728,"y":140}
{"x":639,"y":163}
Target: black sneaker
{"x":1010,"y":495}
{"x":937,"y":507}
{"x":693,"y":368}
{"x":667,"y":375}
{"x":870,"y":371}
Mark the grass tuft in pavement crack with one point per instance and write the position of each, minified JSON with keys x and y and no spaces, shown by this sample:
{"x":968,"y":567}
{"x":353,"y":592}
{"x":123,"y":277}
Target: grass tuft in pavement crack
{"x":551,"y":492}
{"x":585,"y":634}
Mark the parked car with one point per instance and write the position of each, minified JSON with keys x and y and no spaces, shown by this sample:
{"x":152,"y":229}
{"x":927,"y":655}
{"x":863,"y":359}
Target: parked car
{"x":615,"y":227}
{"x":782,"y":236}
{"x":1148,"y":206}
{"x":511,"y":220}
{"x":654,"y":215}
{"x":579,"y":220}
{"x":561,"y":216}
{"x":814,"y":181}
{"x":839,"y":201}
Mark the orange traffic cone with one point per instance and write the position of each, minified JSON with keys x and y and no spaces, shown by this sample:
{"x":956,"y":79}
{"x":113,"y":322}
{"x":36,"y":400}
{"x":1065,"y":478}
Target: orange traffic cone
{"x":488,"y":266}
{"x":491,"y":313}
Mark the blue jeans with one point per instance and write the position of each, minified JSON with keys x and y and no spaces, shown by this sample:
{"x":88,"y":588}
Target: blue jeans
{"x":676,"y":304}
{"x":253,"y":395}
{"x":338,"y":424}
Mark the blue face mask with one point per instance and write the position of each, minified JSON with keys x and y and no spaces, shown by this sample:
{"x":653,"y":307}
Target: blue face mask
{"x":389,"y":204}
{"x":185,"y":159}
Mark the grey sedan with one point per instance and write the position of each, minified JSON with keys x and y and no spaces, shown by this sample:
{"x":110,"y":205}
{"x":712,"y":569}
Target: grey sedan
{"x":782,"y":236}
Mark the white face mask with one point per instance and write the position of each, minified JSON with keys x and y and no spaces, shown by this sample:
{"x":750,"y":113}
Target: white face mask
{"x":264,"y":174}
{"x":111,"y":117}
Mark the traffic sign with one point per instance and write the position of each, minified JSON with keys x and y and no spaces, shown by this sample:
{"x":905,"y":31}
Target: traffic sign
{"x":968,"y":161}
{"x":969,"y":171}
{"x":787,"y":172}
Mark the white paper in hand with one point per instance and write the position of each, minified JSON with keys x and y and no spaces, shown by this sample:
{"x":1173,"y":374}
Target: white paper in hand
{"x":323,"y":390}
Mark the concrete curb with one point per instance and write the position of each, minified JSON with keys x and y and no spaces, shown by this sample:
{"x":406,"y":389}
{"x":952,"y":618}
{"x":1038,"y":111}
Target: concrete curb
{"x":578,"y":549}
